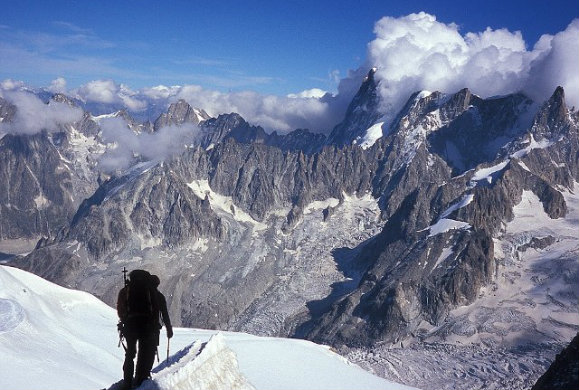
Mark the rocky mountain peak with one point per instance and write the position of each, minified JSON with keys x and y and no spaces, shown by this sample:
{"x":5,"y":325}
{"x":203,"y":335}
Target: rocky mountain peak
{"x":551,"y":116}
{"x":362,"y":113}
{"x":179,"y":113}
{"x":230,"y":121}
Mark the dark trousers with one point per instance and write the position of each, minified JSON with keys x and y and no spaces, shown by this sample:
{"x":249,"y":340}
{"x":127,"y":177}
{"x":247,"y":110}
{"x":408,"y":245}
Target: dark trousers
{"x":142,"y":344}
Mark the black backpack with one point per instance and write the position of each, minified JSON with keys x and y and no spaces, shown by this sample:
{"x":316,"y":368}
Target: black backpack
{"x":141,"y":297}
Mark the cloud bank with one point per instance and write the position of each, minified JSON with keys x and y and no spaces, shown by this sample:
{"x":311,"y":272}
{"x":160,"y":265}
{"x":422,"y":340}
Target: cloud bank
{"x":417,"y":52}
{"x":312,"y":109}
{"x":33,"y":115}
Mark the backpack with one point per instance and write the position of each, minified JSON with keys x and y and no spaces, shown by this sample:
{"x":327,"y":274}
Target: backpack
{"x":141,"y":299}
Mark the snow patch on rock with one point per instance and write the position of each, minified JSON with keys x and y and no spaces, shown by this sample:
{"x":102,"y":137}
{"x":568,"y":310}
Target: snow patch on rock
{"x":487,"y":173}
{"x":533,"y":144}
{"x":444,"y":225}
{"x":372,"y":134}
{"x":222,"y":204}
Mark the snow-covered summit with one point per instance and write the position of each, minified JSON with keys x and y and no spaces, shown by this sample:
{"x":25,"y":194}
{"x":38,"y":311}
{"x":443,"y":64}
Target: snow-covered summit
{"x":55,"y":338}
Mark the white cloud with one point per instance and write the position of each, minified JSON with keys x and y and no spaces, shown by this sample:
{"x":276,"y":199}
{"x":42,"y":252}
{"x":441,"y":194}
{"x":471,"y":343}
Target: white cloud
{"x":556,"y":64}
{"x":417,"y":52}
{"x":132,"y":103}
{"x":10,"y":84}
{"x":108,"y":92}
{"x":99,"y":91}
{"x":123,"y":144}
{"x":161,"y":92}
{"x":33,"y":115}
{"x":58,"y":85}
{"x":315,"y":93}
{"x":279,"y":113}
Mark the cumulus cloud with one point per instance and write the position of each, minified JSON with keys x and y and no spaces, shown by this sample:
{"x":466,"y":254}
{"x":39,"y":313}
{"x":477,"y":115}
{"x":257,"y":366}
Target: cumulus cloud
{"x":555,"y":63}
{"x":58,"y":85}
{"x":417,"y":52}
{"x":108,"y":92}
{"x":123,"y":144}
{"x":99,"y":91}
{"x":33,"y":115}
{"x":161,"y":92}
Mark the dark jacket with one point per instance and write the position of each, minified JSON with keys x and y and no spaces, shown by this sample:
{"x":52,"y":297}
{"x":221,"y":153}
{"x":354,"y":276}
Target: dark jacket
{"x":164,"y":314}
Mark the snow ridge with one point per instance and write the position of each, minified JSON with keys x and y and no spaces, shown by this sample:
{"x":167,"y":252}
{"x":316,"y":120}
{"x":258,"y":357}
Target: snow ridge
{"x":210,"y":365}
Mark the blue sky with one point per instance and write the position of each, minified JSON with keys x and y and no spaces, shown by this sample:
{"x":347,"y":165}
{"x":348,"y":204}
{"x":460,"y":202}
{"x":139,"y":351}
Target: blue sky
{"x":271,"y":47}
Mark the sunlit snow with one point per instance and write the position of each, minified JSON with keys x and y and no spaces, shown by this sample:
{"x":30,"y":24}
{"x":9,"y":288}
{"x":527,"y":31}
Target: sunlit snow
{"x":56,"y":338}
{"x":444,"y":225}
{"x":533,"y":144}
{"x":487,"y":173}
{"x":466,"y":200}
{"x":373,"y":134}
{"x":222,"y":204}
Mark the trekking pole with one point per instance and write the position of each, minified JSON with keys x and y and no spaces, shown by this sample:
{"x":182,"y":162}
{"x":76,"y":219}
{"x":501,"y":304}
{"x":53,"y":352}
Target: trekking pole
{"x":168,"y":340}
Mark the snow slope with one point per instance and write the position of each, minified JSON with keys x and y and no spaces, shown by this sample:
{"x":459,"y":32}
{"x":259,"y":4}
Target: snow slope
{"x":56,"y":338}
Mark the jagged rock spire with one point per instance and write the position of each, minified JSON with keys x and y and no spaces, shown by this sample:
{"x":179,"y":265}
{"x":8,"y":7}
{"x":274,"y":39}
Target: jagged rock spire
{"x":362,"y":113}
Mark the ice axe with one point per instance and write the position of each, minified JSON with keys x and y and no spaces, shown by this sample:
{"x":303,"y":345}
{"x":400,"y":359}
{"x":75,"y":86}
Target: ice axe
{"x":168,"y":340}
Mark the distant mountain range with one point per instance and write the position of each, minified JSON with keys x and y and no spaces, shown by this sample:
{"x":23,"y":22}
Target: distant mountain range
{"x":445,"y":226}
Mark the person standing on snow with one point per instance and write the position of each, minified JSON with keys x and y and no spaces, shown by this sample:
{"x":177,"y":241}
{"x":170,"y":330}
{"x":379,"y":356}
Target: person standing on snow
{"x":139,"y":309}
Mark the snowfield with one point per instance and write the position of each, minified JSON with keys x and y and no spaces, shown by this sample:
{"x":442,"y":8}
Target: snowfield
{"x":55,"y":338}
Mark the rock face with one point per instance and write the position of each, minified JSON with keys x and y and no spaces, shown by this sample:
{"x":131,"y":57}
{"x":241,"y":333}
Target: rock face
{"x":564,"y":372}
{"x":46,"y":176}
{"x":7,"y":110}
{"x":476,"y":129}
{"x":299,"y":235}
{"x":35,"y":188}
{"x":146,"y":202}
